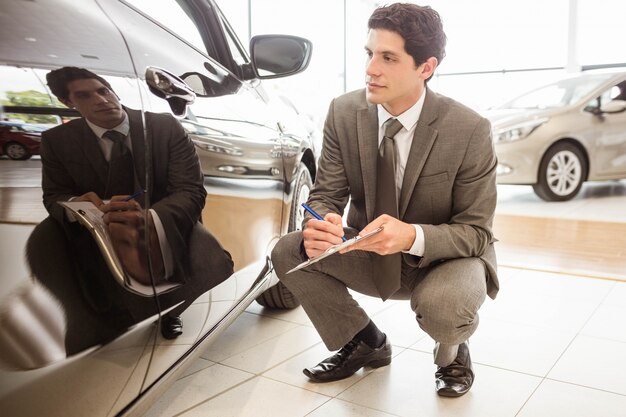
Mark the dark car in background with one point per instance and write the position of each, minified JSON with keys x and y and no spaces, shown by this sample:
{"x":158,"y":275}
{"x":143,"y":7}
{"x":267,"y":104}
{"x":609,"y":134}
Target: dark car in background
{"x":180,"y":57}
{"x":19,"y":141}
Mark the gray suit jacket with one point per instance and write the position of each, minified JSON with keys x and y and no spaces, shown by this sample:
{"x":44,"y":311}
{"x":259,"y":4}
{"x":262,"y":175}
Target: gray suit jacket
{"x":73,"y":164}
{"x":449,"y":185}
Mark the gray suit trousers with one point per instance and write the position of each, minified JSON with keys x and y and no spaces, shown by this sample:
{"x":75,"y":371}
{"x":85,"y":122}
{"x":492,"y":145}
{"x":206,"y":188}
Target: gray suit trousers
{"x":445,"y":297}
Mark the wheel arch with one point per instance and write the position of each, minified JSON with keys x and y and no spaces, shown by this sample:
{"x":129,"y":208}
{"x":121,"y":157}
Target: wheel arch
{"x":308,"y":159}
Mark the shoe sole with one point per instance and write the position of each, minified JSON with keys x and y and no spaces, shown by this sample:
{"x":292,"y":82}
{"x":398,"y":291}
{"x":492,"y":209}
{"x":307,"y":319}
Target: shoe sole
{"x":378,"y":363}
{"x":451,"y":394}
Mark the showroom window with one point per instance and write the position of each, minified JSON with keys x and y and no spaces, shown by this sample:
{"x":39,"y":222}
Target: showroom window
{"x":600,"y":31}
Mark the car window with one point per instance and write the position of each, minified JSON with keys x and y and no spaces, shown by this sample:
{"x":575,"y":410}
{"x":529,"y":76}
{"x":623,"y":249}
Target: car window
{"x":170,"y":14}
{"x":234,"y":45}
{"x":616,"y":92}
{"x":559,"y":94}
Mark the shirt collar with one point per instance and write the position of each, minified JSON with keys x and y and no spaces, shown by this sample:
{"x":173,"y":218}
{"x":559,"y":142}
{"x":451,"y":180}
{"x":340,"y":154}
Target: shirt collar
{"x":408,"y":119}
{"x":123,"y":127}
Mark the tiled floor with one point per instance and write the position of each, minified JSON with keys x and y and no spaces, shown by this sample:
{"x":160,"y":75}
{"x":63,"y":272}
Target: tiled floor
{"x":596,"y":201}
{"x":550,"y":345}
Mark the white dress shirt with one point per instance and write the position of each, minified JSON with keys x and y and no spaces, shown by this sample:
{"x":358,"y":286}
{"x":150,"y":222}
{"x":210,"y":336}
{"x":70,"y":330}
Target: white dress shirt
{"x":404,"y":140}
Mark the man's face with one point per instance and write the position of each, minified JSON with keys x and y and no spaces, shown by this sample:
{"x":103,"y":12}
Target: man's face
{"x":95,"y":102}
{"x":392,"y":79}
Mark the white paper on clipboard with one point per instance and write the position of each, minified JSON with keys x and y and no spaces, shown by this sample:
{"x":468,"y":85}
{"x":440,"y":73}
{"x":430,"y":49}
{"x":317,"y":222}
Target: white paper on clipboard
{"x":334,"y":249}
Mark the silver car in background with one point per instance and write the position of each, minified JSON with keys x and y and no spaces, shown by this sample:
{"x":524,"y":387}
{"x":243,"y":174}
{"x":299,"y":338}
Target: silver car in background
{"x":558,"y":136}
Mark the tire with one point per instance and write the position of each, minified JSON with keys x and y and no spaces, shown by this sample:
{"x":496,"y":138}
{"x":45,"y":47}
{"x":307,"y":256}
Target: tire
{"x":278,"y":296}
{"x":562,"y":171}
{"x":16,"y":151}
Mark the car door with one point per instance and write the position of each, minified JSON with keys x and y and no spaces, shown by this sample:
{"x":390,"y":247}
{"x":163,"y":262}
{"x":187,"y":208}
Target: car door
{"x":610,"y":136}
{"x":237,"y":138}
{"x":39,"y":374}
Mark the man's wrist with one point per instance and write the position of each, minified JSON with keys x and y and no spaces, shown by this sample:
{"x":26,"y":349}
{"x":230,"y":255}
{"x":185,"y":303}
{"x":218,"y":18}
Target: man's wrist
{"x":417,"y":247}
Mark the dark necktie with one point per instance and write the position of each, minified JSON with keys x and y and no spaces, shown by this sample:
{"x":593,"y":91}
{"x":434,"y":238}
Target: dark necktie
{"x":121,"y":178}
{"x":387,"y":269}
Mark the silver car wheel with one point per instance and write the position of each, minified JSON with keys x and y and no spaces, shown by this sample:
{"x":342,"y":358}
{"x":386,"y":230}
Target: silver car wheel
{"x":564,"y":173}
{"x":302,"y":197}
{"x":16,"y":151}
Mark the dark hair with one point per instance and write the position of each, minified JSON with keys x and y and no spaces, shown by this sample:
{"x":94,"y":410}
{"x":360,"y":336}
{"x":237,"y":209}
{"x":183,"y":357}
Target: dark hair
{"x":419,"y":26}
{"x":58,"y":80}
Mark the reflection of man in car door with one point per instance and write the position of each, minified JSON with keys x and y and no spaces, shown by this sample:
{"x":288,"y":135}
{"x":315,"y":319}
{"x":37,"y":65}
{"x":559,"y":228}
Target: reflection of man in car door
{"x":102,"y":157}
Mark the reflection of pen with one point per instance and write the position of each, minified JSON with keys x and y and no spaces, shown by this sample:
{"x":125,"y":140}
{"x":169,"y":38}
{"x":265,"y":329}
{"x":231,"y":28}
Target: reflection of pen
{"x":134,"y":195}
{"x":317,"y":216}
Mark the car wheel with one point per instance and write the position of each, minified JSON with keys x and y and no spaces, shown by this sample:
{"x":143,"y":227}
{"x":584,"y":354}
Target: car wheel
{"x":16,"y":151}
{"x":302,"y":188}
{"x":278,"y":296}
{"x":561,"y":173}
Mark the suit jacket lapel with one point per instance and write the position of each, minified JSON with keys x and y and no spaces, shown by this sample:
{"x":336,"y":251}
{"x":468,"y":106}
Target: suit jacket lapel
{"x":139,"y":148}
{"x":88,"y":143}
{"x":423,"y":141}
{"x":367,"y":136}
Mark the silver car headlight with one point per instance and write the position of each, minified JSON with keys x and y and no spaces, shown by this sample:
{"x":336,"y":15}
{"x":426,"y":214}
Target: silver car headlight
{"x":517,"y":131}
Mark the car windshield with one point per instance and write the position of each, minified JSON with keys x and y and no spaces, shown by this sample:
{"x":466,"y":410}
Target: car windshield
{"x":559,"y":94}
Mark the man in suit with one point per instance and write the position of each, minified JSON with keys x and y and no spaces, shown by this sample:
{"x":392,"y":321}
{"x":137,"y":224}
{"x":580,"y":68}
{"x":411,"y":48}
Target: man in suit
{"x":102,"y":157}
{"x":428,"y":179}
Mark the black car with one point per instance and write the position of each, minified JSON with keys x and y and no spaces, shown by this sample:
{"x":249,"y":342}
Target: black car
{"x":181,"y":57}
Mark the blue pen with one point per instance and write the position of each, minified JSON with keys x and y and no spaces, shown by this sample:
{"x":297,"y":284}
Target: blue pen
{"x":317,"y":216}
{"x":134,"y":195}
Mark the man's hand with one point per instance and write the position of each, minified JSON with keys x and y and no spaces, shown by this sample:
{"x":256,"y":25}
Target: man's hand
{"x":319,"y":235}
{"x":396,"y":236}
{"x":90,"y":196}
{"x":125,"y":219}
{"x":126,"y":223}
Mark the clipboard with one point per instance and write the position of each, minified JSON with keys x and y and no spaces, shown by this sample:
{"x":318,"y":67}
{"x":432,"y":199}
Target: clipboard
{"x":335,"y":249}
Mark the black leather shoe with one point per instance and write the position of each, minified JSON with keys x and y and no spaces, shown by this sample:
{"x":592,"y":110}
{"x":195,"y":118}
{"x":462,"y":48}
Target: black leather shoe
{"x":171,"y":327}
{"x":457,"y":378}
{"x":350,"y":358}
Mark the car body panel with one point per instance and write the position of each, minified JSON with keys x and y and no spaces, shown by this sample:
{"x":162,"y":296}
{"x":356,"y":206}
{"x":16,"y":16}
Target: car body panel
{"x":25,"y":134}
{"x":250,"y":144}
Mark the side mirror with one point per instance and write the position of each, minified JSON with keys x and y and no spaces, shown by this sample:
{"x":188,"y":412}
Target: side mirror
{"x":276,"y":56}
{"x":614,"y":106}
{"x":168,"y":86}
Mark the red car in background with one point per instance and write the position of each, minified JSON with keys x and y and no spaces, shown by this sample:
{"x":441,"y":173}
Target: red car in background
{"x":19,"y":141}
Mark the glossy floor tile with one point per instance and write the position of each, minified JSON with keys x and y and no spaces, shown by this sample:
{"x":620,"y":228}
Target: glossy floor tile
{"x":602,"y":200}
{"x":549,"y":346}
{"x":554,"y":398}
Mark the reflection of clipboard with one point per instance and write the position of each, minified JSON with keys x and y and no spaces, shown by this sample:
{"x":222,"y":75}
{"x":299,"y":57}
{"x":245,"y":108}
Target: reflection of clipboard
{"x":335,"y":248}
{"x":91,"y":217}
